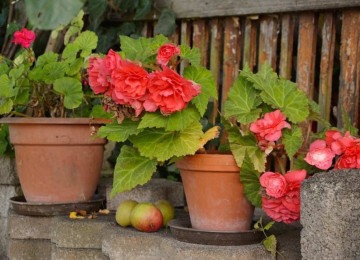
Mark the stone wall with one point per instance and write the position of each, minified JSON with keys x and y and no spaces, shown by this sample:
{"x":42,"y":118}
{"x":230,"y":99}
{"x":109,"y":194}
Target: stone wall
{"x":9,"y":187}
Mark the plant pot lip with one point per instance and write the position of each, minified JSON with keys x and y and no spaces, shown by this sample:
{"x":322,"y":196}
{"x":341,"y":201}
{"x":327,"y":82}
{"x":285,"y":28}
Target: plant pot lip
{"x":54,"y":120}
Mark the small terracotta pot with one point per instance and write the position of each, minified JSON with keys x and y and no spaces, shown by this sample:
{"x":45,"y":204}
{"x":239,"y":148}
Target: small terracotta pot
{"x":214,"y":193}
{"x":57,"y":159}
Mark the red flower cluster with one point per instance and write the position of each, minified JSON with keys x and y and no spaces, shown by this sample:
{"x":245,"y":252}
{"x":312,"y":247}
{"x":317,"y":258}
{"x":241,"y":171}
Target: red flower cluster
{"x":281,"y":201}
{"x":128,"y":84}
{"x":24,"y":37}
{"x":346,"y":148}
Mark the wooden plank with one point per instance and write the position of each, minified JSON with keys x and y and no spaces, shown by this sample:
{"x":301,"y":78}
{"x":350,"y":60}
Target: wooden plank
{"x":306,"y":53}
{"x":268,"y":40}
{"x":287,"y":45}
{"x":250,"y":35}
{"x":200,"y":38}
{"x":326,"y":65}
{"x":212,"y":8}
{"x":231,"y":54}
{"x":349,"y":60}
{"x":185,"y":38}
{"x":216,"y":37}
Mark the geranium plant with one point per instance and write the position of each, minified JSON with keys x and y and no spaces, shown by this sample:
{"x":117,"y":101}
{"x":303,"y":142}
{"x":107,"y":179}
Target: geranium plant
{"x":156,"y":109}
{"x":269,"y":121}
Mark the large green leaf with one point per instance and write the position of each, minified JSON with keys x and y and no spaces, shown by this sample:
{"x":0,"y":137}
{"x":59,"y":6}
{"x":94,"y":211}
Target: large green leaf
{"x":163,"y":145}
{"x":48,"y":15}
{"x":119,"y":132}
{"x":175,"y":122}
{"x":143,"y":9}
{"x":191,"y":54}
{"x":205,"y":79}
{"x":242,"y":102}
{"x":97,"y":10}
{"x":3,"y":139}
{"x":72,"y":91}
{"x":249,"y":177}
{"x":166,"y":23}
{"x":6,"y":105}
{"x":131,"y":169}
{"x":87,"y":41}
{"x":46,"y":58}
{"x":6,"y":88}
{"x":260,"y":79}
{"x":293,"y":140}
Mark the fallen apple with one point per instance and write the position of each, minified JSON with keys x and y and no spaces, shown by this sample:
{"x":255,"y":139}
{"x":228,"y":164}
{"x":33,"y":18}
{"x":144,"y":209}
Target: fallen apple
{"x":123,"y":212}
{"x":167,"y":210}
{"x":146,"y":217}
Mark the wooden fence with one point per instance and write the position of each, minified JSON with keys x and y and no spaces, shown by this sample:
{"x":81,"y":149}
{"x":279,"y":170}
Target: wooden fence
{"x":313,"y":42}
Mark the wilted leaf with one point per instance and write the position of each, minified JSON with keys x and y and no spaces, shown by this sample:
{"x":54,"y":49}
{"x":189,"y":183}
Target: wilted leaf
{"x":210,"y":134}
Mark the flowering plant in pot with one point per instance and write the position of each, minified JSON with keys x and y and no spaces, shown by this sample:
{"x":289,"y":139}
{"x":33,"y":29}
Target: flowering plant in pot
{"x":43,"y":93}
{"x":156,"y":110}
{"x":269,"y":126}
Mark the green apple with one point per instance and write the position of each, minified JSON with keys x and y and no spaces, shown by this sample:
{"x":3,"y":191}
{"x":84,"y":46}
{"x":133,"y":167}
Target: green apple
{"x":146,"y":217}
{"x":167,"y":210}
{"x":123,"y":212}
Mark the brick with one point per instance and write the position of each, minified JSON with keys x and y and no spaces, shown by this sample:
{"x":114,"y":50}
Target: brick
{"x":6,"y":192}
{"x":60,"y":253}
{"x":29,"y":227}
{"x":8,"y":174}
{"x":154,"y":190}
{"x":36,"y":249}
{"x":80,"y":233}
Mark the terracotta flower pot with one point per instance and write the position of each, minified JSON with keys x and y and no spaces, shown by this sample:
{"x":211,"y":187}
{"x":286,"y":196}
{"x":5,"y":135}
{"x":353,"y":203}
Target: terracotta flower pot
{"x":214,"y":193}
{"x":57,"y":159}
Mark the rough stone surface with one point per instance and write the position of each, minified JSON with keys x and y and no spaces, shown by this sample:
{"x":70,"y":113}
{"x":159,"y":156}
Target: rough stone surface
{"x":154,"y":190}
{"x":6,"y":192}
{"x":59,"y":253}
{"x":330,"y":214}
{"x":3,"y":237}
{"x":8,"y":174}
{"x":24,"y":227}
{"x":126,"y":243}
{"x":80,"y":233}
{"x":35,"y":249}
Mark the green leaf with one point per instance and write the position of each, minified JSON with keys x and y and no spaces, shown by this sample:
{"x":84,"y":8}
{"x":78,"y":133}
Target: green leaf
{"x":3,"y":139}
{"x":143,"y":9}
{"x":119,"y":132}
{"x":270,"y":244}
{"x":97,"y":10}
{"x":16,"y":72}
{"x":87,"y":41}
{"x":163,"y":145}
{"x":70,"y":52}
{"x":75,"y":67}
{"x":48,"y":15}
{"x":249,"y":177}
{"x":242,"y":102}
{"x":191,"y":54}
{"x":269,"y":225}
{"x":6,"y":105}
{"x":76,"y":26}
{"x":131,"y":169}
{"x":98,"y":111}
{"x":49,"y":73}
{"x":261,"y":78}
{"x":166,"y":23}
{"x":46,"y":58}
{"x":6,"y":88}
{"x":72,"y":91}
{"x":4,"y":68}
{"x":175,"y":122}
{"x":293,"y":140}
{"x":205,"y":79}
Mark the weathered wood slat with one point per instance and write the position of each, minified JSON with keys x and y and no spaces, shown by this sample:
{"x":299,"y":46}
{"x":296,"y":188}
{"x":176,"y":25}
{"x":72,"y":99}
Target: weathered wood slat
{"x":250,"y":35}
{"x":326,"y":65}
{"x":216,"y":37}
{"x":287,"y":45}
{"x":213,"y":8}
{"x":185,"y":38}
{"x":231,"y":54}
{"x":349,"y":77}
{"x":268,"y":40}
{"x":200,"y":39}
{"x":306,"y":53}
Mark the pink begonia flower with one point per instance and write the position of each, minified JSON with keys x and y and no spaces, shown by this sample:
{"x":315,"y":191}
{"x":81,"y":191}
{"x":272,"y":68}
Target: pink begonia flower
{"x":295,"y":178}
{"x":274,"y":183}
{"x":336,"y":142}
{"x":350,"y":158}
{"x":24,"y":37}
{"x":285,"y":209}
{"x":166,"y":52}
{"x":269,"y":128}
{"x":320,"y":155}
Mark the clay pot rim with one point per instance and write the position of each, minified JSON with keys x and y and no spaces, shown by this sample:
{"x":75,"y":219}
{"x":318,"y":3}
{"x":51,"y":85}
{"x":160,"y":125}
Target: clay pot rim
{"x":54,"y":120}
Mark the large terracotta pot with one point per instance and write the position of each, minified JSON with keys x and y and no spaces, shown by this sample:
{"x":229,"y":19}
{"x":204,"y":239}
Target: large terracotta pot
{"x":57,"y":159}
{"x":214,"y":193}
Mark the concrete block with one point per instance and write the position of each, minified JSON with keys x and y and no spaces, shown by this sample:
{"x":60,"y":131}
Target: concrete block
{"x":36,"y":249}
{"x":330,"y":213}
{"x":152,"y":191}
{"x":3,"y":237}
{"x":80,"y":233}
{"x":127,"y":243}
{"x":29,"y":227}
{"x":8,"y":174}
{"x":6,"y":192}
{"x":59,"y":253}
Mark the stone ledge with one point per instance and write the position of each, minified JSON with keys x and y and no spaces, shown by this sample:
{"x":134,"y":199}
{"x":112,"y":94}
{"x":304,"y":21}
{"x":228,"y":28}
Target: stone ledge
{"x":34,"y":249}
{"x":60,"y":253}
